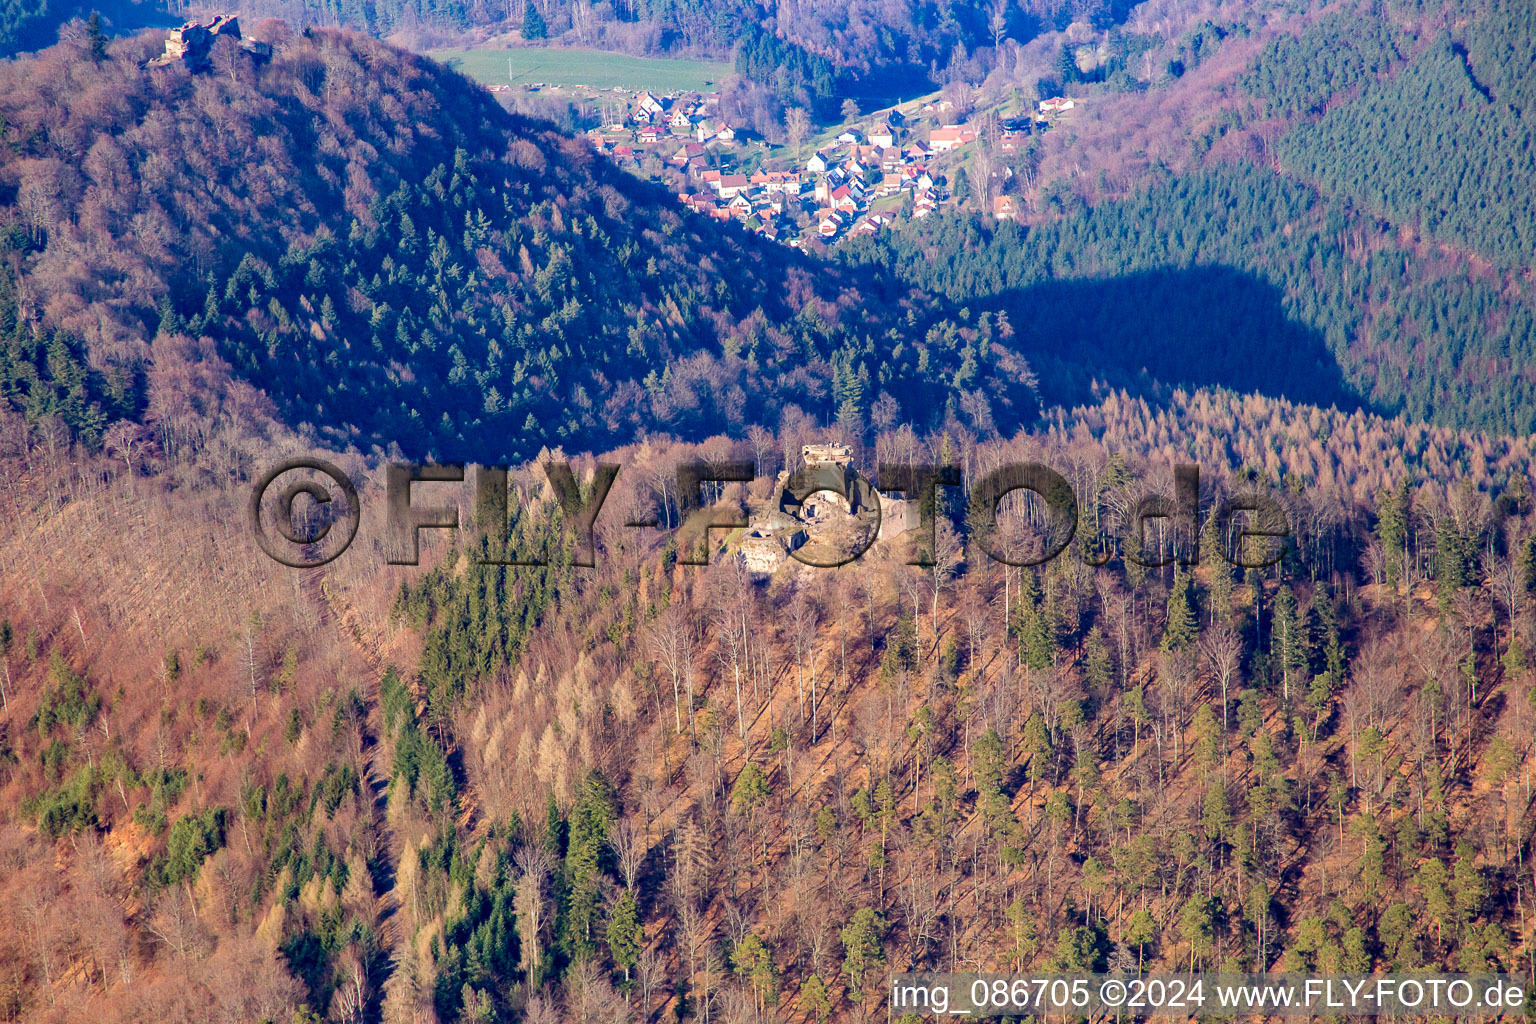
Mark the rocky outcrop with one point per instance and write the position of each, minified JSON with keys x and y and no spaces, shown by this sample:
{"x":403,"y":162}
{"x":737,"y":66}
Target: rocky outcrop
{"x":192,"y":44}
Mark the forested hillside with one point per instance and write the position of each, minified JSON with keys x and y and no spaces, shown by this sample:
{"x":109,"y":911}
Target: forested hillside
{"x":33,"y":24}
{"x":865,"y":45}
{"x":44,"y":376}
{"x":1378,"y":255}
{"x":1260,"y":284}
{"x":1300,"y":73}
{"x":394,"y":259}
{"x":1447,"y":145}
{"x":26,"y":25}
{"x":649,"y":791}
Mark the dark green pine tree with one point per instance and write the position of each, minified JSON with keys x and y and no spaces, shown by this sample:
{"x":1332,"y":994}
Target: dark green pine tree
{"x":1455,"y":554}
{"x":1332,"y":642}
{"x":1066,"y":65}
{"x":438,"y":786}
{"x":960,"y":186}
{"x":533,"y":22}
{"x":171,"y":322}
{"x":554,"y":828}
{"x":96,"y":37}
{"x":1288,"y":642}
{"x":591,"y":819}
{"x":1099,"y":664}
{"x":625,"y":936}
{"x":1036,"y":745}
{"x":1392,"y":530}
{"x":1183,"y":625}
{"x":1526,"y":557}
{"x":1039,"y":639}
{"x":1029,"y":600}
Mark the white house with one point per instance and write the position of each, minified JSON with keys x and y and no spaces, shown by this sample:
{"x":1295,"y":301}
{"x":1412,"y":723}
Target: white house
{"x":942,"y":140}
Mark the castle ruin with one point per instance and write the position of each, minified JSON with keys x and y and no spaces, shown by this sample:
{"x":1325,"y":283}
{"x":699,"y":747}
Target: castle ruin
{"x":192,"y":43}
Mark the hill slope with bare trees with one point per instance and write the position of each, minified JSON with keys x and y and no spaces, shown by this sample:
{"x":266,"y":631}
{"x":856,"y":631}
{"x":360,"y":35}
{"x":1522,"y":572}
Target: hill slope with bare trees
{"x":464,"y":792}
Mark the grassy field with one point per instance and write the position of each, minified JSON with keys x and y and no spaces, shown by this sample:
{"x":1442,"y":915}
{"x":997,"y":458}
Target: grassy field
{"x":594,"y":69}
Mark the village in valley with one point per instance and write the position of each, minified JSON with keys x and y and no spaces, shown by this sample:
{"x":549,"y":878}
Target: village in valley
{"x":863,"y":176}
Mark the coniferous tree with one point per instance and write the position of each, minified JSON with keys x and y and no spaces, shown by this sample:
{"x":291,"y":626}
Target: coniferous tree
{"x":96,"y":38}
{"x":625,"y":935}
{"x":1455,"y":556}
{"x":863,"y":945}
{"x":1289,"y":644}
{"x":1066,"y":65}
{"x":591,"y":819}
{"x":814,"y":996}
{"x":1183,"y":623}
{"x":533,"y":22}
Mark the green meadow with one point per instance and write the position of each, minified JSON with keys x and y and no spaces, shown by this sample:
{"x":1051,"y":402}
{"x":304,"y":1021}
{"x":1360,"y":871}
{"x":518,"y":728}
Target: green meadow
{"x":594,"y":69}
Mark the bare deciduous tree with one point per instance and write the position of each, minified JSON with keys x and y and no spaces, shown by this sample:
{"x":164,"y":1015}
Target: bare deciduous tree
{"x":530,"y":901}
{"x":630,"y":845}
{"x":797,"y":125}
{"x":670,"y":640}
{"x":174,"y":922}
{"x":1223,"y":651}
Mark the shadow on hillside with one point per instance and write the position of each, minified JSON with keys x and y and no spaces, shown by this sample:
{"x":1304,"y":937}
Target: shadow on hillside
{"x":1212,"y":326}
{"x":1206,"y":326}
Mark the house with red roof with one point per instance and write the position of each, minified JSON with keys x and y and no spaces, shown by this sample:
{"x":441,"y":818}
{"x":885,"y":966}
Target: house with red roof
{"x":731,"y":185}
{"x":952,"y":137}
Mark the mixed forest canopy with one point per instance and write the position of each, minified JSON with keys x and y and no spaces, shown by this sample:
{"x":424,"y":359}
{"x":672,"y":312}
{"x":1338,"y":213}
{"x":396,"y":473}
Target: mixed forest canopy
{"x":480,"y":793}
{"x":1320,"y":275}
{"x":1261,"y":285}
{"x":855,"y":48}
{"x":465,"y":793}
{"x":1299,"y":73}
{"x":448,"y":277}
{"x":1451,"y":149}
{"x":33,"y":24}
{"x":404,"y":263}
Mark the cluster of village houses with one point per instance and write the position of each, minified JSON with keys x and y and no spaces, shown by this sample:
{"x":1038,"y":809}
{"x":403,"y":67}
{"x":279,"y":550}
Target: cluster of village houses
{"x":837,"y":188}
